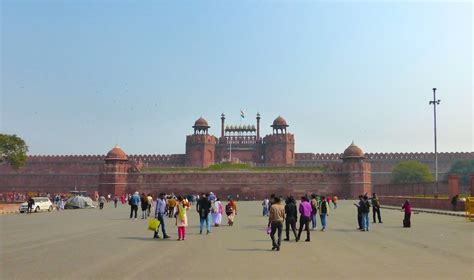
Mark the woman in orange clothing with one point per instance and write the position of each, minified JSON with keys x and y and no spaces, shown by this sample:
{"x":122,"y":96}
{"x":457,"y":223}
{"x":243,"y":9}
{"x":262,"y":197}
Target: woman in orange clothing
{"x":231,"y":211}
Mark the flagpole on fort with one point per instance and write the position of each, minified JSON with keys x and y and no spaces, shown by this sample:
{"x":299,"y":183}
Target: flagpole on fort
{"x":435,"y":102}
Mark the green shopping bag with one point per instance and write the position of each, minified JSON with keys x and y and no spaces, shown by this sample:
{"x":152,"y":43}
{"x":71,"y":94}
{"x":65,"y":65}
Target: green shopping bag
{"x":153,"y":224}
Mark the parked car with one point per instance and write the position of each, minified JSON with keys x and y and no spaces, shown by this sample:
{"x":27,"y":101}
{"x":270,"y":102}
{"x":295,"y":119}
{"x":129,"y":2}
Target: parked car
{"x":41,"y":204}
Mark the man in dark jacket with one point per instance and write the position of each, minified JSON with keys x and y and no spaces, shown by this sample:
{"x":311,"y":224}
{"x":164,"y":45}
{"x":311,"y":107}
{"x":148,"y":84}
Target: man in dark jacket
{"x":203,"y":207}
{"x":359,"y":211}
{"x":291,"y":213}
{"x":376,"y":207}
{"x":31,"y":202}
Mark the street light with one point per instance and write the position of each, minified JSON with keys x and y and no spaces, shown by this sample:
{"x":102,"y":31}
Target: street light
{"x":435,"y":102}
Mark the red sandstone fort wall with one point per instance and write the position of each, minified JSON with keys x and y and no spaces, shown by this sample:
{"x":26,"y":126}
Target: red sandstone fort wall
{"x":383,"y":163}
{"x":67,"y":171}
{"x":48,"y":182}
{"x":249,"y":185}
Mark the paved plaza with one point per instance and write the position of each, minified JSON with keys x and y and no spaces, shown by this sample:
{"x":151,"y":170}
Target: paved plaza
{"x":95,"y":244}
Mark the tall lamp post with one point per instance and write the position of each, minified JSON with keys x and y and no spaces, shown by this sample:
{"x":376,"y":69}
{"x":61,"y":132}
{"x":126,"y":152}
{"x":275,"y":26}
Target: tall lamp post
{"x":435,"y":102}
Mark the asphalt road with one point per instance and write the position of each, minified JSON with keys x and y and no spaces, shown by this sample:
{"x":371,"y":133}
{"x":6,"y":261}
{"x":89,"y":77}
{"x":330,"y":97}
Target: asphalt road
{"x":105,"y":244}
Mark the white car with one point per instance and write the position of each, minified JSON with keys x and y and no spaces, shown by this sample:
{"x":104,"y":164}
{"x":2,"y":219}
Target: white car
{"x":41,"y":204}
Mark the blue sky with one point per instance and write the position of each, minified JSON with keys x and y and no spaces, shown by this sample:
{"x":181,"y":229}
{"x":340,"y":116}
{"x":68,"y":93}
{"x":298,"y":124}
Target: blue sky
{"x":77,"y":77}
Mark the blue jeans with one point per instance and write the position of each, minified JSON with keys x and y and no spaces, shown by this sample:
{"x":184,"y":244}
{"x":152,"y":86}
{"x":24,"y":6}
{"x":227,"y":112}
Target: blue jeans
{"x":208,"y":223}
{"x":365,"y":221}
{"x":162,"y":223}
{"x":323,"y":220}
{"x":313,"y":221}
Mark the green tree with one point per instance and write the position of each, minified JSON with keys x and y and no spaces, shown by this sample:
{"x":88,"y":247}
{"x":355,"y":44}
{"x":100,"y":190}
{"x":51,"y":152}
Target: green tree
{"x":411,"y":172}
{"x":463,"y":168}
{"x":12,"y":150}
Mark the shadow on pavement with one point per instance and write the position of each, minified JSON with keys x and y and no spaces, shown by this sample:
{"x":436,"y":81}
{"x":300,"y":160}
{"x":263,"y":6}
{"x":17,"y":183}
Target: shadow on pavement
{"x":249,"y":250}
{"x":146,"y":238}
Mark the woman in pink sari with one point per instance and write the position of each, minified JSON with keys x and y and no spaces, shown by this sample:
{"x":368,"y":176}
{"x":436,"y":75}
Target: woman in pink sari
{"x":217,"y":212}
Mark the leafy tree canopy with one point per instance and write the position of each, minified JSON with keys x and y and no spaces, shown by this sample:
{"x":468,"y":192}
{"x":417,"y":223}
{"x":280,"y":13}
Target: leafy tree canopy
{"x":12,"y":150}
{"x":463,"y":168}
{"x":411,"y":172}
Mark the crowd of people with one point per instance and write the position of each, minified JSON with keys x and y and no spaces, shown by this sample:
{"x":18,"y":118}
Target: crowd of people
{"x":309,"y":209}
{"x":210,"y":209}
{"x":208,"y":206}
{"x":312,"y":206}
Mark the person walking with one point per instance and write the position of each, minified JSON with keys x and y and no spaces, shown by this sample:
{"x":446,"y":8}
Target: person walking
{"x":160,"y":212}
{"x":115,"y":201}
{"x":266,"y":206}
{"x":375,"y":207}
{"x":334,"y":202}
{"x":359,"y":212}
{"x":31,"y":202}
{"x":203,"y":207}
{"x":275,"y":221}
{"x":291,"y":213}
{"x":181,"y":218}
{"x":217,"y":214}
{"x":231,"y":211}
{"x":144,"y":204}
{"x":365,"y":210}
{"x":454,"y":202}
{"x":407,"y":219}
{"x":305,"y":217}
{"x":134,"y":200}
{"x":101,"y":202}
{"x":171,"y":205}
{"x":150,"y":203}
{"x":314,"y":211}
{"x":323,"y":212}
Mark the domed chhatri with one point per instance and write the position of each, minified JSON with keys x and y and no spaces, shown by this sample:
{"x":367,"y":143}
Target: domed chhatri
{"x":279,"y":126}
{"x":279,"y":122}
{"x":116,"y":154}
{"x":201,"y":126}
{"x":353,"y":152}
{"x":201,"y":123}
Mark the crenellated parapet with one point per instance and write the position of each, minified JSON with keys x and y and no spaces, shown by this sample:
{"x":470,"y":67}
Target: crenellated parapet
{"x":64,"y":158}
{"x":389,"y":156}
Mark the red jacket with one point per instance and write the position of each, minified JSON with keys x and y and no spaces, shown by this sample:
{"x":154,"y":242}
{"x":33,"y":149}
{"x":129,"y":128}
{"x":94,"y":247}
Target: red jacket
{"x":407,"y":207}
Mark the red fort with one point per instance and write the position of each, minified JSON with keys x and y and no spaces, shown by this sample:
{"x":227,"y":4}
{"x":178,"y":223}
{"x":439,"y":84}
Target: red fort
{"x":346,"y":175}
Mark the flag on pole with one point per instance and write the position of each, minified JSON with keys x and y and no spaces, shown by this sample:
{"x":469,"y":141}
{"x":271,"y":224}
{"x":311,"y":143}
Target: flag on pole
{"x":242,"y":114}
